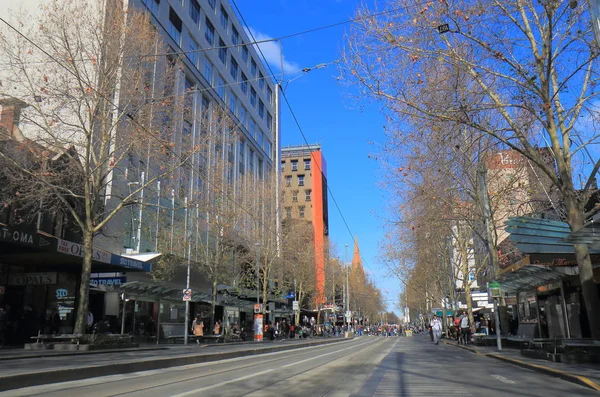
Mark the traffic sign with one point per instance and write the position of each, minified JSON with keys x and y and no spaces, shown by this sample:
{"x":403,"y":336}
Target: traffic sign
{"x":494,"y":290}
{"x":295,"y":306}
{"x":187,"y":294}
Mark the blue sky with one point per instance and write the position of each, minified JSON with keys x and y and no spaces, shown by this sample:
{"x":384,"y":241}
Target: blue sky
{"x":330,"y":116}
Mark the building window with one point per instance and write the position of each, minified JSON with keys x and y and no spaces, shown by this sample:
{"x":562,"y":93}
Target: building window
{"x":212,"y":4}
{"x":232,"y":102}
{"x":261,"y":81}
{"x":270,"y":95}
{"x":222,"y":52}
{"x":288,"y":180}
{"x":269,"y":122}
{"x":307,"y":164}
{"x":195,"y":11}
{"x":245,"y":54}
{"x":244,"y":84}
{"x":175,"y":26}
{"x":268,"y":148}
{"x":251,"y":162}
{"x":295,"y":196}
{"x":208,"y":71}
{"x":300,"y":180}
{"x":153,"y":5}
{"x":253,"y":68}
{"x":294,"y":165}
{"x":288,"y":212}
{"x":224,"y":18}
{"x":261,"y":169}
{"x":252,"y":97}
{"x":308,"y":194}
{"x":301,"y":211}
{"x":192,"y":53}
{"x":209,"y":32}
{"x":220,"y":87}
{"x":233,"y":68}
{"x":282,"y":165}
{"x":260,"y":139}
{"x":243,"y":116}
{"x":261,"y":109}
{"x":235,"y":36}
{"x":251,"y":128}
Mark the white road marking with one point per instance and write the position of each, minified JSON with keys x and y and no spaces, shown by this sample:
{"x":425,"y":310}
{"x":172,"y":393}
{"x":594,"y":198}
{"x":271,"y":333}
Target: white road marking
{"x":503,"y":379}
{"x":196,"y":391}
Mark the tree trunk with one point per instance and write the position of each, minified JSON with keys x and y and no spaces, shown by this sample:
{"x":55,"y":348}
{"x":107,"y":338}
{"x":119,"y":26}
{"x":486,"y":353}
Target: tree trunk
{"x":84,"y":286}
{"x":213,"y":303}
{"x":589,"y":288}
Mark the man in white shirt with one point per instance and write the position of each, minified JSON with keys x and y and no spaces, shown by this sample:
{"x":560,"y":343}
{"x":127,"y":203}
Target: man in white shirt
{"x":436,"y":329}
{"x":465,"y":330}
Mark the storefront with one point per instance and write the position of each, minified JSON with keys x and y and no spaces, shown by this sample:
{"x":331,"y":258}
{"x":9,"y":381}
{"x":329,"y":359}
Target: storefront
{"x":40,"y":279}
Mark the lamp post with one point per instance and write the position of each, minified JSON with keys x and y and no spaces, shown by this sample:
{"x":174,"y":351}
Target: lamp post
{"x":258,"y":318}
{"x":347,"y":299}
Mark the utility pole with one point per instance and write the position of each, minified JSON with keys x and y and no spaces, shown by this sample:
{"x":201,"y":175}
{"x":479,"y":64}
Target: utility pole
{"x":485,"y":205}
{"x":347,"y":299}
{"x":187,"y":280}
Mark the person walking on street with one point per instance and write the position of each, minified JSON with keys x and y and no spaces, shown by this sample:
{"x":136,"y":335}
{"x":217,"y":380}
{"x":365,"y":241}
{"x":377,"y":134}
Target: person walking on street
{"x":465,"y":329}
{"x":436,"y":329}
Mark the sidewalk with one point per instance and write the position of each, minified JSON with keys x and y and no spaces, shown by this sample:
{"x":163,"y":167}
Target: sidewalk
{"x":26,"y":368}
{"x":584,"y":374}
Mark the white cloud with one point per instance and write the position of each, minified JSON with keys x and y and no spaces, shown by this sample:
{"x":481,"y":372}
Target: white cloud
{"x":273,"y":54}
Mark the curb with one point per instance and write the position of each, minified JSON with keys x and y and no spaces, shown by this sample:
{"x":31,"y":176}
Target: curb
{"x":51,"y":353}
{"x":580,"y":380}
{"x":152,"y":363}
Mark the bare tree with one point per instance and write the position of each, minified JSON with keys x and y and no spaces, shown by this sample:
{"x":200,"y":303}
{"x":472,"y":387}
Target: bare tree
{"x":530,"y":79}
{"x":90,"y":78}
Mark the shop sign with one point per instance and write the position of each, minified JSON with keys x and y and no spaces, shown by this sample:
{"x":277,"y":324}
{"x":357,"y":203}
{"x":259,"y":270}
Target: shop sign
{"x":129,"y":263}
{"x":71,"y":248}
{"x":32,"y":278}
{"x":549,"y":287}
{"x":494,"y":290}
{"x":108,"y":281}
{"x":16,"y":236}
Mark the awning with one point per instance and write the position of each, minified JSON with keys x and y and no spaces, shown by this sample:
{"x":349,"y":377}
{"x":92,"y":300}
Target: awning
{"x":529,"y":276}
{"x":158,"y":292}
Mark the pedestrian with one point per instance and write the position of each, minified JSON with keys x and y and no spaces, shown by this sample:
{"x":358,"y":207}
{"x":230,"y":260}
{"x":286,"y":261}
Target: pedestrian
{"x":197,"y":327}
{"x":465,"y":328}
{"x":217,"y":328}
{"x":436,"y":329}
{"x":483,"y":324}
{"x":90,"y":322}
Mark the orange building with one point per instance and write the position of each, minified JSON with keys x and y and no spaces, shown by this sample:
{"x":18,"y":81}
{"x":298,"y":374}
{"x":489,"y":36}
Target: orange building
{"x":304,"y":177}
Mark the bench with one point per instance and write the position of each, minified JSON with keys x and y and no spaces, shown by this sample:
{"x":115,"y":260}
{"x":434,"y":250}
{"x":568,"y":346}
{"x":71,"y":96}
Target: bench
{"x":176,"y":332}
{"x":43,"y":338}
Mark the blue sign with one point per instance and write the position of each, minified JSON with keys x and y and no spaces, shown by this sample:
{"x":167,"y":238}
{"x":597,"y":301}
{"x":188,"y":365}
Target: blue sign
{"x":108,"y":280}
{"x":130,"y":263}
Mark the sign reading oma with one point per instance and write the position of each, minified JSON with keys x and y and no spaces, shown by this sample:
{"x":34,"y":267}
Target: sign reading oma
{"x":16,"y":236}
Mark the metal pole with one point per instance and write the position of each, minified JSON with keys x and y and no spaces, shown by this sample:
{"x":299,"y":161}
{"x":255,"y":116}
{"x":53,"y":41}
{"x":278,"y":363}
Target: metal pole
{"x":140,"y":214}
{"x":347,"y":297}
{"x":257,"y":277}
{"x":187,"y":281}
{"x":485,"y":204}
{"x":157,"y":215}
{"x":172,"y":218}
{"x":158,"y":324}
{"x":123,"y":314}
{"x":564,"y":308}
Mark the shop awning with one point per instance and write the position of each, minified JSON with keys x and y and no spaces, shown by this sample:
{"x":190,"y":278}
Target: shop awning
{"x":530,"y":276}
{"x":156,"y":292}
{"x":545,"y":236}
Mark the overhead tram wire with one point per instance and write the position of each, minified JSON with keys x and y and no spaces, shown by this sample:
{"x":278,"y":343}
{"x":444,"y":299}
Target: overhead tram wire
{"x":254,"y":41}
{"x":128,"y":115}
{"x":294,"y":114}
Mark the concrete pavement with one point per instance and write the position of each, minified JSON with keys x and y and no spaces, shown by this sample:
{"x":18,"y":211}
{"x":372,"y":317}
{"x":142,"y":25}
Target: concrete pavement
{"x":584,"y":374}
{"x":30,"y":369}
{"x":365,"y":366}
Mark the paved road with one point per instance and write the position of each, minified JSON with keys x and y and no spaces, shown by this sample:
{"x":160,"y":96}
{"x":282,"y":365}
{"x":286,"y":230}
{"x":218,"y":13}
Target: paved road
{"x":367,"y":366}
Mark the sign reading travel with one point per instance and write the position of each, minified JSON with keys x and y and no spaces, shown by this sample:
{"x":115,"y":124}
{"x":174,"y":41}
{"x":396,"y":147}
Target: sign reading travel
{"x":108,"y":281}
